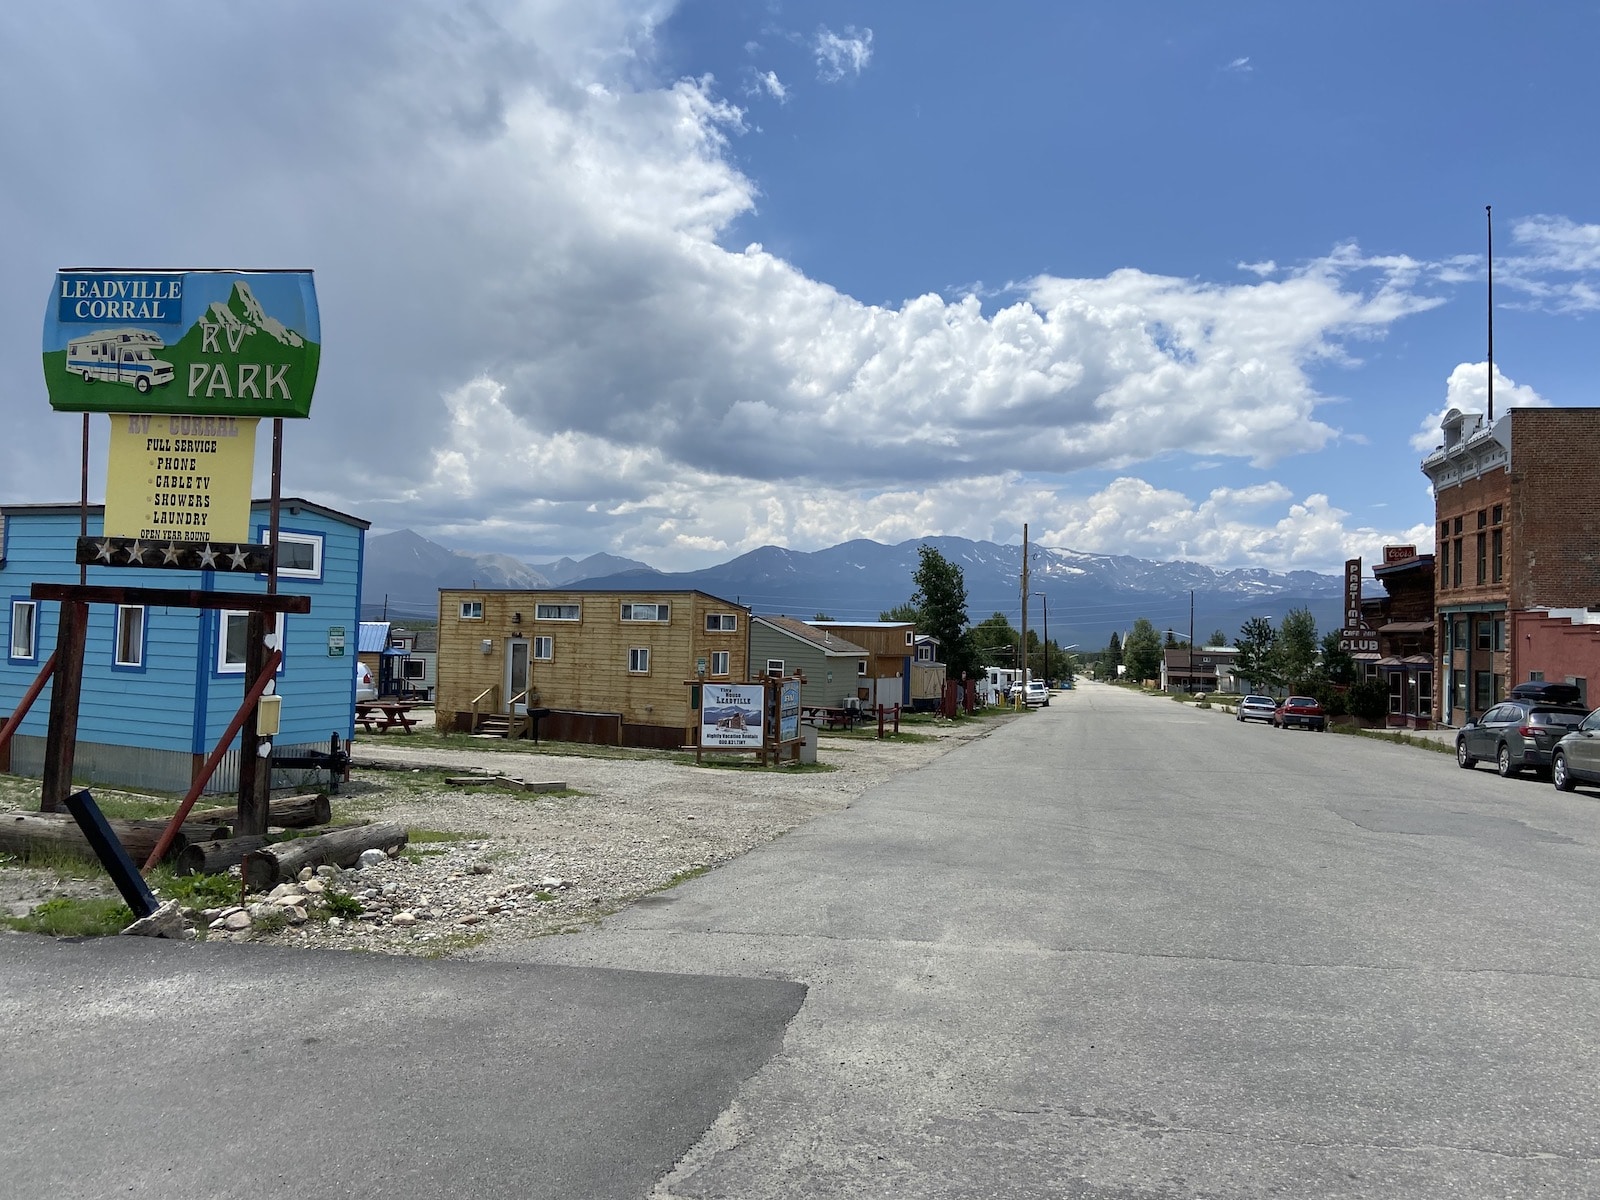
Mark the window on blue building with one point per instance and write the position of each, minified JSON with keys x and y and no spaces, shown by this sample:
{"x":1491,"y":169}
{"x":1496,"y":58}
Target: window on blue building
{"x":24,"y":629}
{"x":130,"y":636}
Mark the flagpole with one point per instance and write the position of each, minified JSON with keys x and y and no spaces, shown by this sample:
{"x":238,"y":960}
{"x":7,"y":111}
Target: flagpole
{"x":1488,"y":217}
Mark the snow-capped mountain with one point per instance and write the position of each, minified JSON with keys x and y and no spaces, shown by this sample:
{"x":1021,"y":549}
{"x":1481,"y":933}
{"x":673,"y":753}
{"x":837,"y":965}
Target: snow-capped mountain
{"x":1085,"y":597}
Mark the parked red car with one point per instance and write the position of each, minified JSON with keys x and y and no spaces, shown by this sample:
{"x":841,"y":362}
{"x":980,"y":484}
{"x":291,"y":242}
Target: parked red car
{"x":1303,"y":711}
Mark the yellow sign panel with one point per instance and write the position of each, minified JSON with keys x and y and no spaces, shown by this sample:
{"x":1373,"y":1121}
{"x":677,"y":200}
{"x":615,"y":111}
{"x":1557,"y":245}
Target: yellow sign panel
{"x":180,"y":479}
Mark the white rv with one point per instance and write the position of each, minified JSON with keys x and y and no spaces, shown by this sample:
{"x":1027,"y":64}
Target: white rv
{"x":120,"y":356}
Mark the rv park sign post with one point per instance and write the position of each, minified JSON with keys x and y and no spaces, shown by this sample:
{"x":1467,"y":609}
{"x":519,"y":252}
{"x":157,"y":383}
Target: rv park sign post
{"x":185,"y":362}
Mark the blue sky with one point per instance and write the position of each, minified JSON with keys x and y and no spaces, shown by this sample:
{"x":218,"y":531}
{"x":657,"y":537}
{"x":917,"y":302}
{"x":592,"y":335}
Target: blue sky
{"x":675,"y":281}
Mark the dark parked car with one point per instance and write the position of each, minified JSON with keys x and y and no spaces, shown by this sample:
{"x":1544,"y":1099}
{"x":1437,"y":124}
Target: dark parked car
{"x":1515,"y":734}
{"x":1303,"y":711}
{"x":1576,"y":758}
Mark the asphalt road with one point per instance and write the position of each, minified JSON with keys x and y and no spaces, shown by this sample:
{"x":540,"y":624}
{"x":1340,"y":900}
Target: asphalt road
{"x":139,"y":1068}
{"x":1125,"y":948}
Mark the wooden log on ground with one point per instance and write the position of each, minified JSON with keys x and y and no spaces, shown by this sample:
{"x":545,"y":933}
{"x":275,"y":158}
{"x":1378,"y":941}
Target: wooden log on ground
{"x":272,"y":865}
{"x":222,"y":854}
{"x":287,"y":812}
{"x":213,"y":858}
{"x":24,"y":833}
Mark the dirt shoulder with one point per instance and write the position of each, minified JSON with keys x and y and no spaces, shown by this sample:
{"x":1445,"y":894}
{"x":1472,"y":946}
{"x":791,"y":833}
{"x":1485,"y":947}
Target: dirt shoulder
{"x":491,"y":864}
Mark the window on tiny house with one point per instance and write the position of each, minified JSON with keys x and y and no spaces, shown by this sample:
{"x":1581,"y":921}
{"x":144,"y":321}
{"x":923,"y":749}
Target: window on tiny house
{"x":130,"y":636}
{"x":24,"y":629}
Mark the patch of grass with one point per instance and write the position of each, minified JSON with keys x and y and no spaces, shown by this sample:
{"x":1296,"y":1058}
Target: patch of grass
{"x":341,"y":904}
{"x":274,"y":920}
{"x":544,"y":897}
{"x":66,"y":916}
{"x":63,"y":860}
{"x":418,"y":836}
{"x":434,"y":740}
{"x":685,"y":875}
{"x":196,"y":891}
{"x":1398,"y":737}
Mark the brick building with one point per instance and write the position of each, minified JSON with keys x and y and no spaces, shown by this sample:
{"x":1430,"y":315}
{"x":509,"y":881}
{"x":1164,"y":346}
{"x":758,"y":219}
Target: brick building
{"x":1405,"y":630}
{"x":1517,"y":528}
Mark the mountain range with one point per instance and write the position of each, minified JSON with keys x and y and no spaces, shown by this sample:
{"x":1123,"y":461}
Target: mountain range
{"x":1084,"y":598}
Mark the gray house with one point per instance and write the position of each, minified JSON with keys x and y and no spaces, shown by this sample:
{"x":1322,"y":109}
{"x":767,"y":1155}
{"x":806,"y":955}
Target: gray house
{"x":831,"y":665}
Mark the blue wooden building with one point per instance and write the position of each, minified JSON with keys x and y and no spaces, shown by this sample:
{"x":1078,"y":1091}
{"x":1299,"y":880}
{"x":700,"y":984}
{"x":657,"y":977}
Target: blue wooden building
{"x":161,"y":684}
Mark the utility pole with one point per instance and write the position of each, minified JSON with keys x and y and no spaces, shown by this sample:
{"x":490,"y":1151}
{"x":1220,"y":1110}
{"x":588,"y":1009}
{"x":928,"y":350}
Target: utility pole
{"x":1190,"y":671}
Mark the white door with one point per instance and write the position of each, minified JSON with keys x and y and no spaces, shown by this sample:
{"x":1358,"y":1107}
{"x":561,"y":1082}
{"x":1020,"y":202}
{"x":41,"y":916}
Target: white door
{"x":517,"y":675}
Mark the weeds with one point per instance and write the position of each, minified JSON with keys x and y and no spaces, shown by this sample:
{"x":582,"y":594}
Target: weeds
{"x":68,"y":916}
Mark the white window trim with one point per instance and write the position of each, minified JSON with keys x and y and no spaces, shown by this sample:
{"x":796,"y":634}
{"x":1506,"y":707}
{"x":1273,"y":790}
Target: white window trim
{"x":314,"y":540}
{"x":719,"y":627}
{"x":421,"y":664}
{"x":224,"y":667}
{"x":120,"y":650}
{"x":538,"y":616}
{"x":549,"y":646}
{"x":469,"y":616}
{"x":726,"y":658}
{"x":633,"y":651}
{"x":31,"y":607}
{"x":774,"y":666}
{"x":861,"y":668}
{"x":911,"y":636}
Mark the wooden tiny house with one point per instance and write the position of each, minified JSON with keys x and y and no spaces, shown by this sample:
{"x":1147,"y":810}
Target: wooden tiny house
{"x":889,"y":646}
{"x":609,"y":666}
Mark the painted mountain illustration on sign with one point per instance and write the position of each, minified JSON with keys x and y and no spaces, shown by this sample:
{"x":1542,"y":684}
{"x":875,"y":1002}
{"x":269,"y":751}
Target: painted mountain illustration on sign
{"x":243,"y":316}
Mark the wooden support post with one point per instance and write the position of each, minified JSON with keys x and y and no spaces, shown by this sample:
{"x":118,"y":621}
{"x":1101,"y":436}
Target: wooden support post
{"x":254,"y":770}
{"x":61,"y":736}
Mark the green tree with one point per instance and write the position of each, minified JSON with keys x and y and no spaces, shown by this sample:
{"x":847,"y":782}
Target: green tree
{"x":1256,"y":663}
{"x":1113,"y":655}
{"x":1217,"y":638}
{"x":1337,"y":666}
{"x":1296,"y":649}
{"x":822,"y":616}
{"x":994,"y":641}
{"x":1142,"y":651}
{"x":941,"y":598}
{"x":905,"y":611}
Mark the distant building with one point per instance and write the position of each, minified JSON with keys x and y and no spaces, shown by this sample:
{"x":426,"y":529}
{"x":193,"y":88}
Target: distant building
{"x":1404,"y":664}
{"x":1198,"y":669}
{"x":612,"y":667}
{"x":890,"y":646}
{"x":1517,"y":529}
{"x":832,"y":665}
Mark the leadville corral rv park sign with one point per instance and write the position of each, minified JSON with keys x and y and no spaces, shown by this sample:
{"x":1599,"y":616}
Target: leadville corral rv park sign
{"x":185,"y":362}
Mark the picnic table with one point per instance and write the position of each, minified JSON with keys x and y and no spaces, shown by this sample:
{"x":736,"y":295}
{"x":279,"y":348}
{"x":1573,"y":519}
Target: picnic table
{"x":378,"y":716}
{"x":833,"y":718}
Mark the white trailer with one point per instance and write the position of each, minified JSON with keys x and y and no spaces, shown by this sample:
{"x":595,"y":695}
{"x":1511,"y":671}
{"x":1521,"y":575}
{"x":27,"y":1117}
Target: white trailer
{"x":120,"y":356}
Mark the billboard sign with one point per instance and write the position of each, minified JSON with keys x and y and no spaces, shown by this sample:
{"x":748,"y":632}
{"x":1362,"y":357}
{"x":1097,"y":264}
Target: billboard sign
{"x":209,"y":343}
{"x":1395,"y":554}
{"x":731,"y":716}
{"x":179,"y":478}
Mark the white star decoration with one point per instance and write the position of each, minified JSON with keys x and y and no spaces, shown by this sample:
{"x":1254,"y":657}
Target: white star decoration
{"x":135,"y":552}
{"x":103,"y":550}
{"x":208,"y":557}
{"x":240,"y":556}
{"x":170,"y":553}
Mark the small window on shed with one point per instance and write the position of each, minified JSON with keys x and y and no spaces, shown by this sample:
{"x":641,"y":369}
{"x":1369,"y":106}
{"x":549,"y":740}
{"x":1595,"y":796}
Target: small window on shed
{"x":472,"y":610}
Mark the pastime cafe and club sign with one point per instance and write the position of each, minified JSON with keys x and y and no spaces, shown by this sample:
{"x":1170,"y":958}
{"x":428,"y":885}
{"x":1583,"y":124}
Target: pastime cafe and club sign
{"x":186,"y":363}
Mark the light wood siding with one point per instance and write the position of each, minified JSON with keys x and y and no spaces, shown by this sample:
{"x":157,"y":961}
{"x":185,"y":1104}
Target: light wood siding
{"x":588,"y":670}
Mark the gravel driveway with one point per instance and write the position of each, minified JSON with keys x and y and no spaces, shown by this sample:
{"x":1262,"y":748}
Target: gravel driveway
{"x":509,"y":865}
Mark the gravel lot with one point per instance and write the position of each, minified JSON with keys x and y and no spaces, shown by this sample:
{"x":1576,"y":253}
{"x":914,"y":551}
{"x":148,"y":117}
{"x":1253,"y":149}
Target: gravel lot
{"x":512,"y":865}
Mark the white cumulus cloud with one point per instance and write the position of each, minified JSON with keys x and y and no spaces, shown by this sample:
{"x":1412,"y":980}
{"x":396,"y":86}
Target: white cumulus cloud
{"x":841,"y":54}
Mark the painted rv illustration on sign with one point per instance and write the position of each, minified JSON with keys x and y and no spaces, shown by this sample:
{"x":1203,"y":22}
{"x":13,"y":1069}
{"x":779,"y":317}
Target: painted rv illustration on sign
{"x":120,"y":356}
{"x":213,"y":343}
